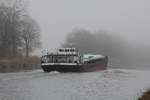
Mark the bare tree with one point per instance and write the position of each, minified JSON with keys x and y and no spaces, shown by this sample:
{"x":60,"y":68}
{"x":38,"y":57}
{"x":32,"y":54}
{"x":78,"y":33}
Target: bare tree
{"x":17,"y":30}
{"x":30,"y":34}
{"x":11,"y":12}
{"x":100,"y":42}
{"x":82,"y":39}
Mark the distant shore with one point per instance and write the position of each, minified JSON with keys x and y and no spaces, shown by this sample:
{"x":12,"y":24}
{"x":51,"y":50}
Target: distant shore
{"x":19,"y":64}
{"x":6,"y":68}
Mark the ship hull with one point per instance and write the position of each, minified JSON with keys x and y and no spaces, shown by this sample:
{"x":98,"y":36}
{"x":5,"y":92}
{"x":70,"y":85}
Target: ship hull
{"x":93,"y":65}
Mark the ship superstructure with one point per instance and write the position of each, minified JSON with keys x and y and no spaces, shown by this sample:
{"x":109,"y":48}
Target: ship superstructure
{"x":69,"y":59}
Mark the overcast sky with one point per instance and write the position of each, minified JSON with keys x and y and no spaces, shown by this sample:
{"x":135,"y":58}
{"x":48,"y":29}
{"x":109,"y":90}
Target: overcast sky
{"x":129,"y":18}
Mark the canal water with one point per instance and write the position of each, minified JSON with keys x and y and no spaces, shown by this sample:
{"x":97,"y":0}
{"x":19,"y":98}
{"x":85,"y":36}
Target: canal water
{"x":111,"y":84}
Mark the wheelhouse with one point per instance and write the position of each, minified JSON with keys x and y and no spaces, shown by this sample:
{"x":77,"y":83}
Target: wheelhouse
{"x":63,"y":55}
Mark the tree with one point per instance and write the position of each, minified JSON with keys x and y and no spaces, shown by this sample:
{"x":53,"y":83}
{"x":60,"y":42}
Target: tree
{"x":11,"y":12}
{"x":17,"y":30}
{"x":30,"y":34}
{"x":81,"y":39}
{"x":100,"y":42}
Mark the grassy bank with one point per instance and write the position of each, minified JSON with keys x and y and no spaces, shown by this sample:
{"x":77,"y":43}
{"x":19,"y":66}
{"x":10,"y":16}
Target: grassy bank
{"x":145,"y":96}
{"x":19,"y":64}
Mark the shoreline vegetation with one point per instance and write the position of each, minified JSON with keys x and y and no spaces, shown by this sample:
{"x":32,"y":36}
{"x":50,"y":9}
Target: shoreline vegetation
{"x":19,"y":64}
{"x":145,"y":96}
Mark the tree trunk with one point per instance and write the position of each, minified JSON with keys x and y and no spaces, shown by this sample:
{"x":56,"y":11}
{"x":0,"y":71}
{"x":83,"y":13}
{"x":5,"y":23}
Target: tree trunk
{"x":27,"y":50}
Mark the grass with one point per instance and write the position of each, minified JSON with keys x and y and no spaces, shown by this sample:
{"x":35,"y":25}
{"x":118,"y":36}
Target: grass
{"x":19,"y":64}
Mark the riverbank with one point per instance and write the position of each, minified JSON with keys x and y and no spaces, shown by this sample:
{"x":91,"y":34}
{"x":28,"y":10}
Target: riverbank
{"x":19,"y":64}
{"x":6,"y":68}
{"x":145,"y":96}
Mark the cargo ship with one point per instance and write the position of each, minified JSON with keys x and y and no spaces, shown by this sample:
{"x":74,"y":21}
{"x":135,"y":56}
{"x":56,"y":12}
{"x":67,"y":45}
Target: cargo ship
{"x":70,"y":60}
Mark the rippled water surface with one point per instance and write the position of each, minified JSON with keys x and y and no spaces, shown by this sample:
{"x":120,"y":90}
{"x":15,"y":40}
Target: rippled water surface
{"x":112,"y":84}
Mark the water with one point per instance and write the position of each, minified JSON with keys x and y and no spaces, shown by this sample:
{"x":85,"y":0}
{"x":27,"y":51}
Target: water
{"x":112,"y":84}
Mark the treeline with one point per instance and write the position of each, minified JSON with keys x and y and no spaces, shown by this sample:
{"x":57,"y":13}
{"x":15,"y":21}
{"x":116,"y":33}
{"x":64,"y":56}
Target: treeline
{"x":19,"y":33}
{"x":101,"y":42}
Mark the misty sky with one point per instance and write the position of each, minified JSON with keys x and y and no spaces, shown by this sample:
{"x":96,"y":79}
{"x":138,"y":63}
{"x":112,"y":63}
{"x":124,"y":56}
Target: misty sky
{"x":129,"y":18}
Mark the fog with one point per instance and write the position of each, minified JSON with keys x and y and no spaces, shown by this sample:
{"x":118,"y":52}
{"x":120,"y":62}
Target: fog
{"x":124,"y":19}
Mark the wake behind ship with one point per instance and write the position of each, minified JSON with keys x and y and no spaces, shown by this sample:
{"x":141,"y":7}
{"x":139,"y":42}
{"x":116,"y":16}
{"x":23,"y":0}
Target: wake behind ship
{"x":70,"y":60}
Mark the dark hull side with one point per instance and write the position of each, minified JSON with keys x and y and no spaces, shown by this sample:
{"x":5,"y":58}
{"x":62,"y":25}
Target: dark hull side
{"x":93,"y":65}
